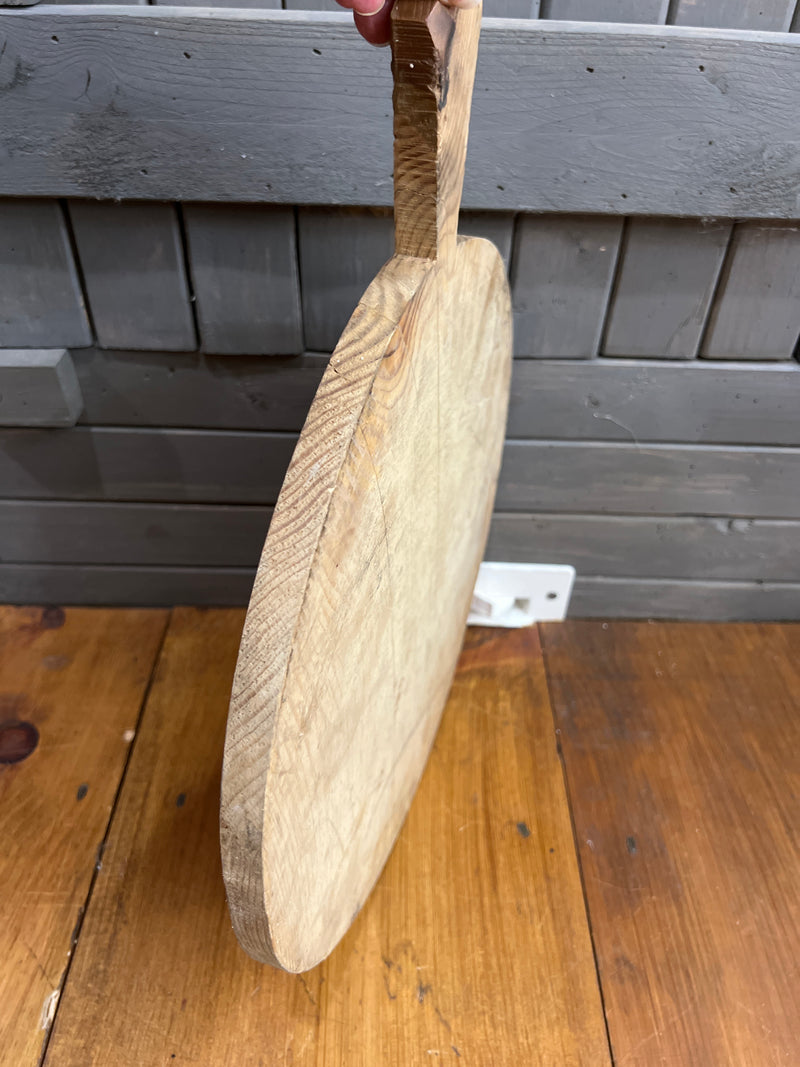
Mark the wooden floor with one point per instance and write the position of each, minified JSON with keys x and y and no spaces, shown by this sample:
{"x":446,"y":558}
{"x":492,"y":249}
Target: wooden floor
{"x":599,"y":867}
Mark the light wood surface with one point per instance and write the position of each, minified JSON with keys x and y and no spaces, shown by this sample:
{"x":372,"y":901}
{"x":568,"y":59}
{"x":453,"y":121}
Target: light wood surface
{"x":473,"y":949}
{"x":360,"y":601}
{"x":680,"y":743}
{"x":78,"y":679}
{"x":434,"y":49}
{"x":363,"y":588}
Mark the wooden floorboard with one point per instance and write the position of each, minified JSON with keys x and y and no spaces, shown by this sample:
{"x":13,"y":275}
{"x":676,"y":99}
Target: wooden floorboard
{"x":473,"y":948}
{"x":680,"y":743}
{"x":76,"y":679}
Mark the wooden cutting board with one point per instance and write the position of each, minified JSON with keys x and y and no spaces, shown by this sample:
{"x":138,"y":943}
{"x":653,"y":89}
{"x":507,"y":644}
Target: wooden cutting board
{"x":359,"y":604}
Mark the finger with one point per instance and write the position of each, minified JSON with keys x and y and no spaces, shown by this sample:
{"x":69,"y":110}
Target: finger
{"x":367,"y":7}
{"x":375,"y":28}
{"x":345,"y":3}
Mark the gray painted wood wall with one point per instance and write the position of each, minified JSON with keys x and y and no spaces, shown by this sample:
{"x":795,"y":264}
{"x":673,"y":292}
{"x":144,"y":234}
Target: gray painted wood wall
{"x":157,"y":356}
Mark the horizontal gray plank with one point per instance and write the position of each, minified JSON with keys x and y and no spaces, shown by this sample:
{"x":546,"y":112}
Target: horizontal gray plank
{"x":587,"y":477}
{"x":591,"y":598}
{"x":38,"y":387}
{"x":185,"y":535}
{"x":646,"y":400}
{"x":225,"y":536}
{"x":179,"y":390}
{"x":90,"y":463}
{"x":291,"y":107}
{"x":622,"y":400}
{"x":629,"y":598}
{"x":203,"y":466}
{"x":124,"y":586}
{"x":643,"y":547}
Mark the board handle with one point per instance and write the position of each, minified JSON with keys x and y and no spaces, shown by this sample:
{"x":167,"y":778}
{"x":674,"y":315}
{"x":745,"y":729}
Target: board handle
{"x":434,"y":49}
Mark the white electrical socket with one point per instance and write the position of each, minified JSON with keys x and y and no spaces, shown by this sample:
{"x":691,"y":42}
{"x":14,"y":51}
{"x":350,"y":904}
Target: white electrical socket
{"x":518,"y":594}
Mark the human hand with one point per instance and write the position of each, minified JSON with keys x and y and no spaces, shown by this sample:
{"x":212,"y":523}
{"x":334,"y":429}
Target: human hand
{"x":373,"y":17}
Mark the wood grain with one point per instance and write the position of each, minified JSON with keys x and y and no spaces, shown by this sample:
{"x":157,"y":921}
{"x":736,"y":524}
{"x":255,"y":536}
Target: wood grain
{"x":547,"y":134}
{"x":434,"y":50}
{"x":78,"y":678}
{"x":371,"y":557}
{"x":680,"y":747}
{"x":361,"y":595}
{"x":474,"y":944}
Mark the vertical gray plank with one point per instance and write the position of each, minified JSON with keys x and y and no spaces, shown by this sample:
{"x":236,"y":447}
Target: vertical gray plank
{"x":243,"y":262}
{"x":131,"y":256}
{"x":560,"y":280}
{"x":495,"y":226}
{"x":341,"y":250}
{"x":667,"y":269}
{"x":667,"y":276}
{"x":640,"y":11}
{"x":262,"y":4}
{"x":756,"y":313}
{"x":135,"y":2}
{"x":563,"y":266}
{"x":511,"y":9}
{"x":41,"y":304}
{"x":735,"y":14}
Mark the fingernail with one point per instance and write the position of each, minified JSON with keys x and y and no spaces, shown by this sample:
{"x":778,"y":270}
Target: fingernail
{"x":369,"y":14}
